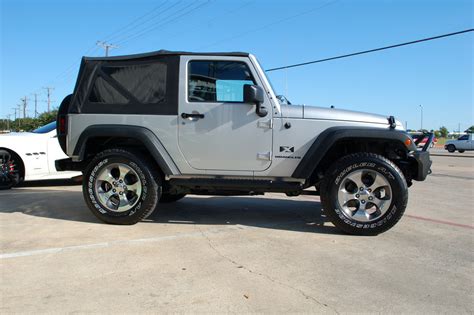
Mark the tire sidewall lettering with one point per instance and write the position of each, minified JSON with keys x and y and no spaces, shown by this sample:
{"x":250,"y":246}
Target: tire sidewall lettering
{"x":383,"y":169}
{"x":96,"y":203}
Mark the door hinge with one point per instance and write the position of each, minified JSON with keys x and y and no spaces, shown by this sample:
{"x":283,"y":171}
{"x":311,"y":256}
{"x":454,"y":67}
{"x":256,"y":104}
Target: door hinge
{"x":266,"y":156}
{"x":268,"y":124}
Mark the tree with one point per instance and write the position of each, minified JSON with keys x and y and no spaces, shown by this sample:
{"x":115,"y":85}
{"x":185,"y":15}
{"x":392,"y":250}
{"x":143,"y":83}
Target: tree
{"x":437,"y":134}
{"x":30,"y":124}
{"x":443,"y":131}
{"x":470,"y":129}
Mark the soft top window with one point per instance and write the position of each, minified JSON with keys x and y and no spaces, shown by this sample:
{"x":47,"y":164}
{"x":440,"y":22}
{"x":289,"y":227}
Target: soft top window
{"x":218,"y":81}
{"x":147,"y":85}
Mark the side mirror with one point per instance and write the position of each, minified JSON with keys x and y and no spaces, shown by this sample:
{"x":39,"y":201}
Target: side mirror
{"x":254,"y":94}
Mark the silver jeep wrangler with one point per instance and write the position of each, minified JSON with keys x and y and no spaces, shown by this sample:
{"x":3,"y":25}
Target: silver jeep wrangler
{"x":150,"y":128}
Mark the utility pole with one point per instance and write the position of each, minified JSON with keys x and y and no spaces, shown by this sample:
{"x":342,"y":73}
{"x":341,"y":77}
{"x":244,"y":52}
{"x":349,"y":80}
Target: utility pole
{"x":421,"y":107}
{"x":24,"y":105}
{"x":106,"y":46}
{"x":8,"y":122}
{"x":48,"y":93}
{"x":36,"y":104}
{"x":19,"y":116}
{"x":14,"y":108}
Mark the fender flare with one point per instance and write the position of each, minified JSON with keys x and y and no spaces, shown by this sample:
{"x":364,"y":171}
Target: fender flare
{"x":142,"y":134}
{"x":327,"y":138}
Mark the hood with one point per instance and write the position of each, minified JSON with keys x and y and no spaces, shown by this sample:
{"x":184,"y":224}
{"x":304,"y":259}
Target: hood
{"x":322,"y":113}
{"x":17,"y":137}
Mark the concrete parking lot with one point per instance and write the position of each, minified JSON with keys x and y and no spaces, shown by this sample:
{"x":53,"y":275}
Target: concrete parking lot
{"x":239,"y":254}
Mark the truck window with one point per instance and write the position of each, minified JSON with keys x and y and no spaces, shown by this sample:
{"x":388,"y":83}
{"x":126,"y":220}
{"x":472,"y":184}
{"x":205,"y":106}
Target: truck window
{"x":218,"y":81}
{"x":464,"y":137}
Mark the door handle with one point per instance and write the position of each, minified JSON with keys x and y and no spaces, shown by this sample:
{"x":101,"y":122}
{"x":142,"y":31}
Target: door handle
{"x":186,"y":115}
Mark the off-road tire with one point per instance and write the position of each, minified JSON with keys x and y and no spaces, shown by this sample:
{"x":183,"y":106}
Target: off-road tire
{"x":360,"y":162}
{"x":168,"y":198}
{"x":451,"y":148}
{"x":147,"y":173}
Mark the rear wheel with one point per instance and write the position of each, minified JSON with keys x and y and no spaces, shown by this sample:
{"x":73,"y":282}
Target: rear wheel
{"x":364,"y":194}
{"x":451,"y":148}
{"x":121,"y":186}
{"x":461,"y":151}
{"x":167,"y":198}
{"x":9,"y":170}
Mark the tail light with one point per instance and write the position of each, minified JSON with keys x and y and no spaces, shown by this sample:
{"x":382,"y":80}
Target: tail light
{"x":62,"y":125}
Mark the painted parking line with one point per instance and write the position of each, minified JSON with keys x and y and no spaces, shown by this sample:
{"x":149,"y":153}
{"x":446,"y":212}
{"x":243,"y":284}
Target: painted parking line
{"x":467,"y":226}
{"x":55,"y":250}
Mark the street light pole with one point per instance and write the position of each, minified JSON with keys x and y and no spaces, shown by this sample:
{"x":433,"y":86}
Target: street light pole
{"x":421,"y":107}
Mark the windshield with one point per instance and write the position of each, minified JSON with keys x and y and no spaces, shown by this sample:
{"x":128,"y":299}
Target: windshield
{"x":46,"y":128}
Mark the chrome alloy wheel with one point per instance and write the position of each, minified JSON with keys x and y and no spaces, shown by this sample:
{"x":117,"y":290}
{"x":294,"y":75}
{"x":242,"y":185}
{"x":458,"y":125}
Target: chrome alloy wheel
{"x":364,"y":195}
{"x":118,"y":187}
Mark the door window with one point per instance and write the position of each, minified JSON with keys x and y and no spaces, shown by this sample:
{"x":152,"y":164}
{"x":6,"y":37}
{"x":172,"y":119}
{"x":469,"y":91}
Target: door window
{"x":218,"y":81}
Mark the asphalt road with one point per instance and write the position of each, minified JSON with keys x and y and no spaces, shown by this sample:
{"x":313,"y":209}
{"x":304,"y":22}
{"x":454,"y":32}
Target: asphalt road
{"x":269,"y":254}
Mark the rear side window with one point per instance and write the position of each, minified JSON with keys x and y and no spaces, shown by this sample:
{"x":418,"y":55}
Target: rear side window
{"x":218,"y":81}
{"x":142,"y":83}
{"x":103,"y":92}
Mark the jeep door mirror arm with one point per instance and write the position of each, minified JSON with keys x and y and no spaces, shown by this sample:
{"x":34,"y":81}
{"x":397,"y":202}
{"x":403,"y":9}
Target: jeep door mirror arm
{"x":254,"y":94}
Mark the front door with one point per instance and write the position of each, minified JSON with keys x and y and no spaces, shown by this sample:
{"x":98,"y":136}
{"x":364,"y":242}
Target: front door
{"x":217,"y":130}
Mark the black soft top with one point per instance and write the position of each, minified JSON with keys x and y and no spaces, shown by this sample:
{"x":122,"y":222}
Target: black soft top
{"x":131,"y":83}
{"x":163,"y":52}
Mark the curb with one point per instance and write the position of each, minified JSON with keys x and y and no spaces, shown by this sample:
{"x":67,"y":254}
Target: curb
{"x":453,"y":155}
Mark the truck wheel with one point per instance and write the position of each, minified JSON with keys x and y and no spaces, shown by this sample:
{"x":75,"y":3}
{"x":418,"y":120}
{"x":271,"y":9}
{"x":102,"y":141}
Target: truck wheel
{"x":461,"y":151}
{"x":451,"y":148}
{"x":167,"y":198}
{"x":121,"y":186}
{"x":364,"y":194}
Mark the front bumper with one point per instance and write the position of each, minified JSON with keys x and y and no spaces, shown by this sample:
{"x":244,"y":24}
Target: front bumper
{"x":423,"y":163}
{"x":422,"y":159}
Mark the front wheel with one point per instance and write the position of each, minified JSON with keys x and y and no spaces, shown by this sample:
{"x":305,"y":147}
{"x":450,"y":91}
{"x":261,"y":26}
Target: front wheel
{"x":364,"y":194}
{"x":9,"y":170}
{"x":121,"y":186}
{"x":451,"y":148}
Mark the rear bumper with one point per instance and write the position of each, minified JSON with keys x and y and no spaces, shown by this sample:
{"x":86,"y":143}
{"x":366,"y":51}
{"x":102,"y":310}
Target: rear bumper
{"x":422,"y":159}
{"x":68,"y":165}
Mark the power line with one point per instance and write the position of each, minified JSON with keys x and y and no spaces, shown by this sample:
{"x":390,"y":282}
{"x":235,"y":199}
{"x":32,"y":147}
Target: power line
{"x":258,"y":29}
{"x":204,"y":22}
{"x":370,"y":50}
{"x":132,"y":25}
{"x":128,"y":33}
{"x":165,"y":22}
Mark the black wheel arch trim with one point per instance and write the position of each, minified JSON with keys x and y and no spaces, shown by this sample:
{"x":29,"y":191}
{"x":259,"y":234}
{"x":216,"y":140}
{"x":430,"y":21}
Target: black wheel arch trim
{"x":142,"y":134}
{"x":327,"y":138}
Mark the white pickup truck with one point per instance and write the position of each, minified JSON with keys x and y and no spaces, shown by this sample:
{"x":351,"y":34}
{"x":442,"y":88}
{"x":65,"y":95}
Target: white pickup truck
{"x":463,"y":143}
